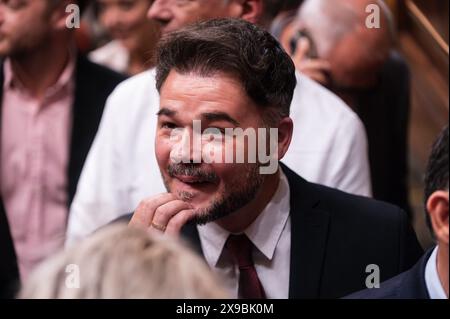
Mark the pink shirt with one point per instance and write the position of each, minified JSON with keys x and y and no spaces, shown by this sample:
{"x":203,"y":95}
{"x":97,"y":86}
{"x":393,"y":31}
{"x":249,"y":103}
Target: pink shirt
{"x":35,"y":139}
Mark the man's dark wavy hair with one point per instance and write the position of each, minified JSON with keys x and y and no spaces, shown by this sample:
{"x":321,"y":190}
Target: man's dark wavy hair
{"x":237,"y":48}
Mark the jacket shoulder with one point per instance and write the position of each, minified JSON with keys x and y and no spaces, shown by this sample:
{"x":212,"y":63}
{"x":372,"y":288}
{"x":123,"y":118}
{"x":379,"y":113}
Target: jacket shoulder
{"x":407,"y":285}
{"x":350,"y":205}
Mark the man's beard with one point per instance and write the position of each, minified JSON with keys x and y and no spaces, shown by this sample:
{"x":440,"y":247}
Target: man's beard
{"x":243,"y":190}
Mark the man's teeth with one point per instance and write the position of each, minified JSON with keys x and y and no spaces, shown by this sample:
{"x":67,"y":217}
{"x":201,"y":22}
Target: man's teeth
{"x":195,"y":181}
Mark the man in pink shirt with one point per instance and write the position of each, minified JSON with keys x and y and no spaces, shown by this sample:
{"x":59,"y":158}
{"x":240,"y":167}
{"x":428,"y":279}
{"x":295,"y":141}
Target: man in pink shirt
{"x":51,"y":102}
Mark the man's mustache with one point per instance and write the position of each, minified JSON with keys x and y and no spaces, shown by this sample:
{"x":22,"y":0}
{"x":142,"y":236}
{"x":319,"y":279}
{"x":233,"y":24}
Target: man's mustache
{"x":192,"y":170}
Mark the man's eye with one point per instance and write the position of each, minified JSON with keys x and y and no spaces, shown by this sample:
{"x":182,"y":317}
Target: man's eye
{"x":209,"y":133}
{"x":168,"y":125}
{"x":215,"y":131}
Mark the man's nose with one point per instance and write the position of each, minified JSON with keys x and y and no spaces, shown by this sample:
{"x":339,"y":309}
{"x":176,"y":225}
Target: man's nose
{"x":160,"y":10}
{"x":189,"y":148}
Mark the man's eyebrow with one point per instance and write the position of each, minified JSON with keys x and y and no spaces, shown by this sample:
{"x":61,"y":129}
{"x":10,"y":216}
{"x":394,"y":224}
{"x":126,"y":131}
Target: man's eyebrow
{"x":165,"y":111}
{"x":219,"y":116}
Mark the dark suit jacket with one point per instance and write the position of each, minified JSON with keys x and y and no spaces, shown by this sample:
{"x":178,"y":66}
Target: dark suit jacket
{"x":93,"y":84}
{"x":385,"y":110}
{"x":9,"y":272}
{"x":408,"y":285}
{"x":334,"y":236}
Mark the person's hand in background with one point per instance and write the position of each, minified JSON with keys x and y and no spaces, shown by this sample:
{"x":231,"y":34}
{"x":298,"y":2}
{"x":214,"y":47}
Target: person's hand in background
{"x":314,"y":68}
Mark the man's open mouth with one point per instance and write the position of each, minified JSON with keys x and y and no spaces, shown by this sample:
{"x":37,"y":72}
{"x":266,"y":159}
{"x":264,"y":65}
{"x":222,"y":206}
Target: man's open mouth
{"x":194,"y":180}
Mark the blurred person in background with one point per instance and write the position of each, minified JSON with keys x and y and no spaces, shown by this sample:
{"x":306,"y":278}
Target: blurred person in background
{"x":9,"y":272}
{"x":330,"y":42}
{"x":119,"y":262}
{"x":329,"y":141}
{"x":134,"y":36}
{"x":51,"y":102}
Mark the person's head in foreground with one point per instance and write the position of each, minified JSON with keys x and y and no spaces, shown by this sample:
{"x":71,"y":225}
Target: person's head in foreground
{"x":120,"y":263}
{"x":213,"y":77}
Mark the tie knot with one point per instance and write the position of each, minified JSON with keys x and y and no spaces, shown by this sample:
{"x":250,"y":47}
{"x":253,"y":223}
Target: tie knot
{"x":240,"y":248}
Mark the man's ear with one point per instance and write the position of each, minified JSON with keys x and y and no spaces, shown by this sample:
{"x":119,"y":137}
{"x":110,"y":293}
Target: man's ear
{"x":249,"y":10}
{"x":58,"y":15}
{"x":437,"y":207}
{"x":285,"y":129}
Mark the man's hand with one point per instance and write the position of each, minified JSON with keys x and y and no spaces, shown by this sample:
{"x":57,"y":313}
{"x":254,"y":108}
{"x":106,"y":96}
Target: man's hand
{"x":162,"y":213}
{"x":315,"y":69}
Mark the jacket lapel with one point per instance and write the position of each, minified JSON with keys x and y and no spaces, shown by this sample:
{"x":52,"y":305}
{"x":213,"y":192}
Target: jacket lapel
{"x":309,"y":233}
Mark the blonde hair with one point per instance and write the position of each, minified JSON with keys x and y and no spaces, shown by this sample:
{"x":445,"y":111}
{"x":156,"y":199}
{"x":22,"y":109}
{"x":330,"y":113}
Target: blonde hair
{"x":121,"y":263}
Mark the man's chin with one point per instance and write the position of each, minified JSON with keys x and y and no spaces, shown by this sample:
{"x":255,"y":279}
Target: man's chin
{"x":203,"y":216}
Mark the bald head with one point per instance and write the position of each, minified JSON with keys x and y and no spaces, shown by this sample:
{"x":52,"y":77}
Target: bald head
{"x":339,"y":30}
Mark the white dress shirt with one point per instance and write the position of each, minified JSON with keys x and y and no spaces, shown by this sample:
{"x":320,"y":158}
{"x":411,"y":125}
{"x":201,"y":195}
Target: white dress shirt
{"x":270,"y":233}
{"x":329,"y":146}
{"x":434,"y":285}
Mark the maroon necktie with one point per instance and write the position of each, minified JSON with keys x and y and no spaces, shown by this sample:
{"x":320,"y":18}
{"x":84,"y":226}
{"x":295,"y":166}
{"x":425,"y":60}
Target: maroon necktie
{"x":240,"y":248}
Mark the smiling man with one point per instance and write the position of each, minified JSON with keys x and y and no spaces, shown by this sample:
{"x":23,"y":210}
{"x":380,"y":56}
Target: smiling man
{"x":270,"y":235}
{"x":328,"y":142}
{"x":212,"y":191}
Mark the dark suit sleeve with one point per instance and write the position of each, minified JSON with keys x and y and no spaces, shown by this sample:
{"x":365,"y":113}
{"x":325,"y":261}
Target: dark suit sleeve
{"x":410,"y":249}
{"x":9,"y":273}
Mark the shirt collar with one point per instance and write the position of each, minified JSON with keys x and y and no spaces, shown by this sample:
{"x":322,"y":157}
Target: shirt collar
{"x":432,"y":281}
{"x":264,"y":232}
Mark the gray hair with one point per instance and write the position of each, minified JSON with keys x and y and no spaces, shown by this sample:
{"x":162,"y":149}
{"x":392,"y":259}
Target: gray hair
{"x":118,"y":263}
